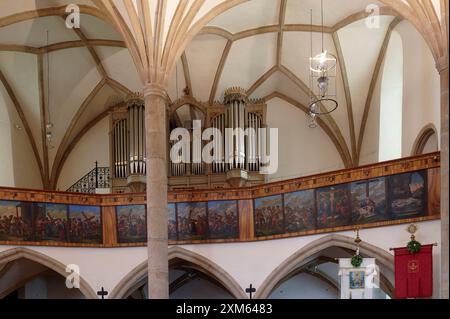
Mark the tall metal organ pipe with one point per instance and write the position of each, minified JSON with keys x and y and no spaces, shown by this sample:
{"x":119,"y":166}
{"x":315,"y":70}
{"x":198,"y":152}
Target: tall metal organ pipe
{"x":236,"y":101}
{"x":136,"y":149}
{"x":120,"y":149}
{"x":129,"y":140}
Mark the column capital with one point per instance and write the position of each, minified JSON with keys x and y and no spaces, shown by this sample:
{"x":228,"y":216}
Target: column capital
{"x":155,"y":89}
{"x":442,"y":63}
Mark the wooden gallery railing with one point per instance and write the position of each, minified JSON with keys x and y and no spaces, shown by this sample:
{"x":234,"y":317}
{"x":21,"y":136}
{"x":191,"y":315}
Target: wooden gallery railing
{"x":390,"y":193}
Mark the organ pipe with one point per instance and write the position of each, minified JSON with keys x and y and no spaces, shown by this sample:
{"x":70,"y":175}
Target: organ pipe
{"x":236,"y":102}
{"x":197,"y":168}
{"x":120,"y":149}
{"x":177,"y":169}
{"x":219,"y":123}
{"x":134,"y":139}
{"x":129,"y":140}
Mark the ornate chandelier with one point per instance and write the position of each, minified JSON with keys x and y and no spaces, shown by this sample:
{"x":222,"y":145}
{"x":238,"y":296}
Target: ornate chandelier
{"x":322,"y":68}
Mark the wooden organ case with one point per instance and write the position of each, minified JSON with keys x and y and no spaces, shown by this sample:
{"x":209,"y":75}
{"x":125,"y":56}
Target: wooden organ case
{"x":243,"y":169}
{"x":127,"y":145}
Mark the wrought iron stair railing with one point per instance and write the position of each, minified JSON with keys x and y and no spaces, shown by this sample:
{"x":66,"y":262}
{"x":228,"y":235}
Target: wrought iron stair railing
{"x":99,"y":177}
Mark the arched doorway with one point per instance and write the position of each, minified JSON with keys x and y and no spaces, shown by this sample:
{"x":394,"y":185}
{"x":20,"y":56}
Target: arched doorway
{"x":317,"y":259}
{"x":188,"y":272}
{"x":25,"y":273}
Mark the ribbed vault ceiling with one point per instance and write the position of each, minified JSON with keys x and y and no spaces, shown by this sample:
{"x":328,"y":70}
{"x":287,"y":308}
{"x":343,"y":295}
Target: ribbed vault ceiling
{"x":261,"y":45}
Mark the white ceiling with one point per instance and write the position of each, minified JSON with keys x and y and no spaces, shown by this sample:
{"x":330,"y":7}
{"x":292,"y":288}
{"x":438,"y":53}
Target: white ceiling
{"x":299,"y":11}
{"x":33,"y":32}
{"x":257,"y":13}
{"x":73,"y":73}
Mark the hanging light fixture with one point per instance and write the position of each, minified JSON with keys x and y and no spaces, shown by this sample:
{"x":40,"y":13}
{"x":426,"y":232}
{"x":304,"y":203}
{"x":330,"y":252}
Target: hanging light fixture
{"x":322,"y":69}
{"x":49,"y":125}
{"x":312,"y":120}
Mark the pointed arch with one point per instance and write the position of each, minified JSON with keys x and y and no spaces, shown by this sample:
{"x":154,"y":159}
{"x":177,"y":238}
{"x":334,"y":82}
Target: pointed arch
{"x":288,"y":266}
{"x":138,"y":276}
{"x":21,"y":252}
{"x":188,"y":100}
{"x":422,"y":139}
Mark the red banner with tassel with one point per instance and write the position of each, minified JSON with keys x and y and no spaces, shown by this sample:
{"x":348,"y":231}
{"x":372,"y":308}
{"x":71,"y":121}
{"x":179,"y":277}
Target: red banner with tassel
{"x":414,"y":273}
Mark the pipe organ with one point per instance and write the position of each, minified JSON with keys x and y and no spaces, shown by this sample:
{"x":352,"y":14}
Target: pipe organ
{"x":242,"y":166}
{"x":241,"y":115}
{"x":128,"y":146}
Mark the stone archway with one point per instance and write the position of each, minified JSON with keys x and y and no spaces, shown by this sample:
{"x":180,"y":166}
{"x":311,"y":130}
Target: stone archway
{"x":421,"y":140}
{"x":21,"y":252}
{"x":138,"y":276}
{"x":288,"y":266}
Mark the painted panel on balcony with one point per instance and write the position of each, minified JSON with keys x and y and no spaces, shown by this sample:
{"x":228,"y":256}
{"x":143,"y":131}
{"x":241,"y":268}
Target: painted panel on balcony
{"x":369,"y":201}
{"x":299,"y":211}
{"x":269,"y":219}
{"x":131,"y":224}
{"x":85,"y":224}
{"x":192,"y":221}
{"x":407,"y":195}
{"x":223,"y":221}
{"x":333,"y":206}
{"x":51,"y":223}
{"x":16,"y":221}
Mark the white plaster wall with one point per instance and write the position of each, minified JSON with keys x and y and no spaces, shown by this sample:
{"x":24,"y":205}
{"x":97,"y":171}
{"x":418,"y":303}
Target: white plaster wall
{"x":371,"y":139}
{"x":7,"y":168}
{"x":26,"y":169}
{"x":302,"y":150}
{"x":421,"y":96}
{"x":93,"y":146}
{"x":421,"y":99}
{"x":245,"y":262}
{"x":21,"y":73}
{"x":18,"y":164}
{"x":391,"y":104}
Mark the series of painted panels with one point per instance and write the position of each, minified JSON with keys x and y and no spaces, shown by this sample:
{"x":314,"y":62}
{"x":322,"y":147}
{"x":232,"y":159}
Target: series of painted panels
{"x":395,"y":197}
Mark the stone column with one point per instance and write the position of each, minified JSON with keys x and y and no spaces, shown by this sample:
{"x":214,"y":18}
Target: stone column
{"x":156,"y":143}
{"x":443,"y":71}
